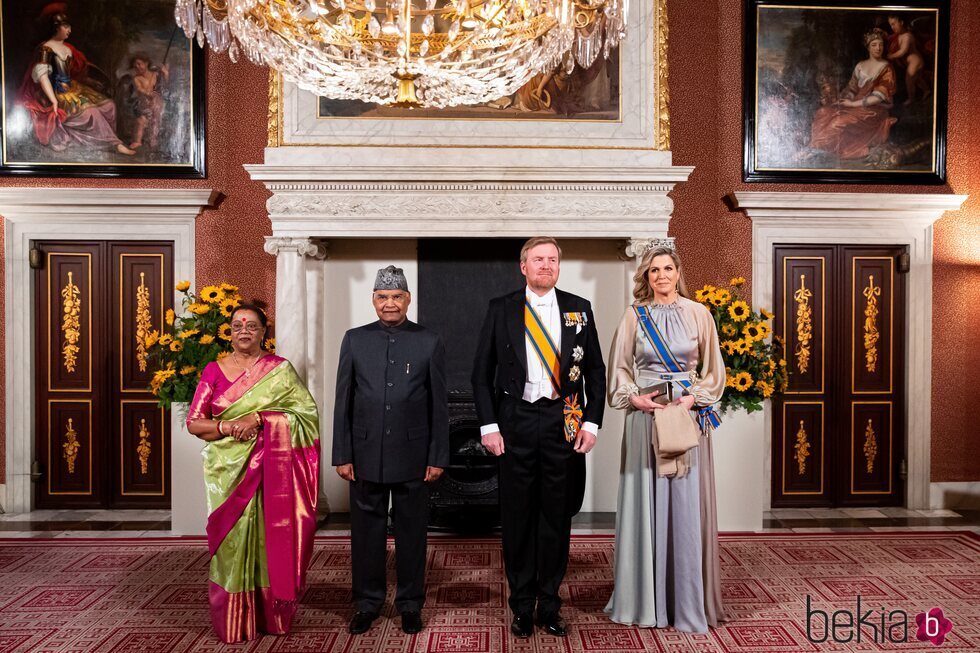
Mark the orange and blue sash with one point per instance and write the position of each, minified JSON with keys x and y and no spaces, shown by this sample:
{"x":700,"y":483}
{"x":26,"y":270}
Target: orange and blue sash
{"x":542,"y":344}
{"x":707,"y":414}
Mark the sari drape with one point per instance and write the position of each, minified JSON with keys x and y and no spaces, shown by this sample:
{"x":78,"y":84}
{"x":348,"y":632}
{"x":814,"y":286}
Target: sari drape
{"x":261,"y":501}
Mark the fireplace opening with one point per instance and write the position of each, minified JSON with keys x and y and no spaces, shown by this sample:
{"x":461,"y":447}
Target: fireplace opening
{"x":457,"y":279}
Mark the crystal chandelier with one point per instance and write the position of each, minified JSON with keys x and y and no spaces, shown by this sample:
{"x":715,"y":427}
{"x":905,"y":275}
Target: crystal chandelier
{"x":429,"y":53}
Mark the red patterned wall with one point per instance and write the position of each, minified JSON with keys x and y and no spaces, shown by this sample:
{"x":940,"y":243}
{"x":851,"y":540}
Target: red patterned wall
{"x":706,"y":131}
{"x":705,"y":74}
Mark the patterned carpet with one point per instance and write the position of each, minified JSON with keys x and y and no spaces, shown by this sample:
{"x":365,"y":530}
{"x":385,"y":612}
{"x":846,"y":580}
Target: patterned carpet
{"x":149,"y":596}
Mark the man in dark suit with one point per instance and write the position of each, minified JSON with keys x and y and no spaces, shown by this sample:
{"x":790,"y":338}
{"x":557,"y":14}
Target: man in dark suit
{"x":390,"y":438}
{"x":539,"y":384}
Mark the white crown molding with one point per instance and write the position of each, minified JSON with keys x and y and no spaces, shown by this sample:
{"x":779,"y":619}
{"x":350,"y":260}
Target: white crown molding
{"x":87,"y":204}
{"x":863,"y":219}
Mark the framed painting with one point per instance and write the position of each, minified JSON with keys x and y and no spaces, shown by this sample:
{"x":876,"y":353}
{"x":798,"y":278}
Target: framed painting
{"x":615,"y":103}
{"x":99,"y":88}
{"x":846,"y":92}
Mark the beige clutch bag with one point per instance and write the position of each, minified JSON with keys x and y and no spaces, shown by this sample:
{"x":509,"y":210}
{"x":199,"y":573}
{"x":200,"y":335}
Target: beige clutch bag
{"x":676,"y":431}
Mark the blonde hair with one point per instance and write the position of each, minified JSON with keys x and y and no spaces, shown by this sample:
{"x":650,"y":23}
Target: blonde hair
{"x":538,"y":240}
{"x":642,"y":291}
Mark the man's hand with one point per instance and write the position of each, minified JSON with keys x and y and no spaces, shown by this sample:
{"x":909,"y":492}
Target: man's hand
{"x":346,"y":472}
{"x":494,"y":443}
{"x":584,"y":441}
{"x":432,"y":474}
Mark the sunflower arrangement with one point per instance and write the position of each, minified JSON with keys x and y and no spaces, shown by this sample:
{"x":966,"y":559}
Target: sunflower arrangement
{"x":188,"y":342}
{"x":754,"y":365}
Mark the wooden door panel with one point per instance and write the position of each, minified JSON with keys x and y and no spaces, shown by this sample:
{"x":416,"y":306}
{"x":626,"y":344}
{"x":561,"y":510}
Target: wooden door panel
{"x":871,"y":450}
{"x":142,"y":445}
{"x":872,"y":305}
{"x":68,"y":327}
{"x":69,"y":449}
{"x":69,"y":409}
{"x":101,"y":440}
{"x":804,"y":462}
{"x":141,"y":283}
{"x":838,"y":433}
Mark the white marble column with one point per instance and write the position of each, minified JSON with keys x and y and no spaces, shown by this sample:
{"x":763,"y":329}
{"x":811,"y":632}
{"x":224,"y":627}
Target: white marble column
{"x":292,"y":297}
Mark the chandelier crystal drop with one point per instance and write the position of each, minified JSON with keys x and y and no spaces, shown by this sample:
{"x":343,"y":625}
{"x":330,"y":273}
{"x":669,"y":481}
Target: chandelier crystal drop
{"x":428,"y":53}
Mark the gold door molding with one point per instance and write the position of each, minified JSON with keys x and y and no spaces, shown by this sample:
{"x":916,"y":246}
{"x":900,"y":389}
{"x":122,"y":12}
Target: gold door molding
{"x":143,"y":314}
{"x":145,"y":444}
{"x":79,"y":331}
{"x":64,"y":445}
{"x":871,"y":297}
{"x":797,"y":303}
{"x":799,"y":449}
{"x":871,"y":439}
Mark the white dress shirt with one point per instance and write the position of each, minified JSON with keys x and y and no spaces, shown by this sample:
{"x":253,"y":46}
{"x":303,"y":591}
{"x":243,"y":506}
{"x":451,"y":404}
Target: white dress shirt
{"x":538,"y":383}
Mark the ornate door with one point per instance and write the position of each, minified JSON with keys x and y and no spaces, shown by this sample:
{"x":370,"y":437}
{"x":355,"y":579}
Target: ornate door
{"x":838,"y":432}
{"x":101,"y":441}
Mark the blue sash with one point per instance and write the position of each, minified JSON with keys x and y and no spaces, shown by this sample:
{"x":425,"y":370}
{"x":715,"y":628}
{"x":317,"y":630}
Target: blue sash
{"x":706,"y":415}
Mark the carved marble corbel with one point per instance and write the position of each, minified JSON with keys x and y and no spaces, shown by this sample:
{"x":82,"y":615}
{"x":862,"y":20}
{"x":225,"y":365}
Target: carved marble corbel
{"x":635,"y":248}
{"x":306,"y":247}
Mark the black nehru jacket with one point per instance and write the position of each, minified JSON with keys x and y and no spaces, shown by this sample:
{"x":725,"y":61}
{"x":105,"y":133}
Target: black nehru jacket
{"x":391,"y":417}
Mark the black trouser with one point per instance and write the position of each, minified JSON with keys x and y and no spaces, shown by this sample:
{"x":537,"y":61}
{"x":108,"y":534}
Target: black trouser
{"x":369,"y":518}
{"x":534,"y":502}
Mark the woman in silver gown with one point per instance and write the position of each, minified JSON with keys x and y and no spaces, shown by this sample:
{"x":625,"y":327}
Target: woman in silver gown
{"x":666,"y":564}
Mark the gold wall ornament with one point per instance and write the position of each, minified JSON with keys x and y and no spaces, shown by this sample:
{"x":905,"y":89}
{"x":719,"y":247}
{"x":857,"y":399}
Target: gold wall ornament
{"x":275,"y":103}
{"x":71,"y":323}
{"x":802,"y":449}
{"x":143,"y":321}
{"x":804,"y":325}
{"x":70,"y":447}
{"x":871,"y":335}
{"x":663,"y":91}
{"x":870,"y":447}
{"x":143,"y":448}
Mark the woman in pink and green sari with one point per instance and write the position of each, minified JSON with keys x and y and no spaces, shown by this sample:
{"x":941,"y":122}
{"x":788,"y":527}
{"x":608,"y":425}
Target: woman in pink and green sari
{"x":260,"y":468}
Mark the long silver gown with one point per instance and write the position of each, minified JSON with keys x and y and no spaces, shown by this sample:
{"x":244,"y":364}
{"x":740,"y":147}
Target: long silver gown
{"x":666,"y":561}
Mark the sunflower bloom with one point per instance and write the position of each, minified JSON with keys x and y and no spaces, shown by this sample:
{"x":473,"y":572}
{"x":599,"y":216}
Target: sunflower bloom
{"x":720,"y":297}
{"x":703,"y":295}
{"x":743,"y":346}
{"x":224,"y":331}
{"x":764,"y":387}
{"x":228,"y":289}
{"x":188,"y":369}
{"x":228,"y":306}
{"x":223,"y":355}
{"x":743,"y":381}
{"x":165,"y":339}
{"x":736,"y":282}
{"x":728,"y":346}
{"x":183,"y":286}
{"x":766,"y":314}
{"x":177,"y":345}
{"x":739,"y":311}
{"x":728,"y":329}
{"x":198,"y":309}
{"x":270,"y":345}
{"x":211,"y":294}
{"x":188,"y":333}
{"x":151,"y":339}
{"x":206,"y":339}
{"x":764,"y":330}
{"x":169,"y":316}
{"x":751,"y":332}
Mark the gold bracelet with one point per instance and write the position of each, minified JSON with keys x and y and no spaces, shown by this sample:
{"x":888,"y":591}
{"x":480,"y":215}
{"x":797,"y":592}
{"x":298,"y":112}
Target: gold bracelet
{"x":220,"y":422}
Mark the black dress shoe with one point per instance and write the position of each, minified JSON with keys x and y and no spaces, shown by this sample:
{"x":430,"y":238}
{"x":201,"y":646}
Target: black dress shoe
{"x":411,"y":622}
{"x":361,"y":622}
{"x":522,"y":625}
{"x":552,"y":624}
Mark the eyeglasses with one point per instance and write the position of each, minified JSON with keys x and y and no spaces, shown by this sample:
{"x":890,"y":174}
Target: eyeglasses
{"x":251,"y":327}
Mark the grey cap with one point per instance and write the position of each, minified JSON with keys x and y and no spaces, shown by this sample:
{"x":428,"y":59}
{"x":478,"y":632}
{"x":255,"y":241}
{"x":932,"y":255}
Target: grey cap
{"x":391,"y":278}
